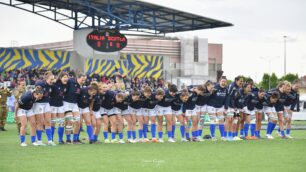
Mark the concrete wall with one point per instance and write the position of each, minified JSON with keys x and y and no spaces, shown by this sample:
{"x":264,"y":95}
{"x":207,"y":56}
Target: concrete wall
{"x":201,"y":67}
{"x":187,"y":56}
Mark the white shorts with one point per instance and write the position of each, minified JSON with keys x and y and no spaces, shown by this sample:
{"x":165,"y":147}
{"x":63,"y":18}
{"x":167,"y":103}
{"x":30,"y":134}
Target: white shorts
{"x":41,"y":108}
{"x":200,"y":109}
{"x":148,"y":112}
{"x":259,"y":110}
{"x":191,"y":113}
{"x":113,"y":111}
{"x":287,"y":107}
{"x":249,"y":112}
{"x":211,"y":109}
{"x":27,"y":113}
{"x":177,"y":113}
{"x":56,"y":110}
{"x":242,"y":110}
{"x":125,"y":112}
{"x":230,"y":112}
{"x":104,"y":111}
{"x":72,"y":107}
{"x":267,"y":109}
{"x":118,"y":111}
{"x":97,"y":114}
{"x":85,"y":110}
{"x":161,"y":111}
{"x":132,"y":111}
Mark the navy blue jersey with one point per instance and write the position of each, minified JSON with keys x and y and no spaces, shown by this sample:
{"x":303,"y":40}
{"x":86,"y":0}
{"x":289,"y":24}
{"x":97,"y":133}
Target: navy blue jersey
{"x":191,"y":102}
{"x":233,"y":93}
{"x":84,"y":98}
{"x":135,"y":104}
{"x":58,"y":94}
{"x":150,"y":102}
{"x":255,"y":101}
{"x":176,"y":104}
{"x":97,"y":102}
{"x":184,"y":108}
{"x":218,"y":97}
{"x":167,"y":100}
{"x":203,"y":99}
{"x":267,"y":101}
{"x":26,"y":101}
{"x":47,"y":91}
{"x":241,"y":99}
{"x":254,"y":89}
{"x":122,"y":105}
{"x":292,"y":100}
{"x":73,"y":91}
{"x":279,"y":106}
{"x":109,"y":100}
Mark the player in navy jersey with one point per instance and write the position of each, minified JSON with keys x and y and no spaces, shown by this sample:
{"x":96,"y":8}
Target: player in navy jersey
{"x":164,"y":110}
{"x":257,"y":99}
{"x":24,"y":111}
{"x":148,"y":110}
{"x":109,"y":115}
{"x":283,"y":88}
{"x":96,"y":111}
{"x":42,"y":109}
{"x":232,"y":112}
{"x":241,"y":104}
{"x":93,"y":118}
{"x":291,"y":102}
{"x":84,"y":100}
{"x":159,"y":96}
{"x":107,"y":98}
{"x":121,"y":110}
{"x":135,"y":111}
{"x":270,"y":100}
{"x":201,"y":106}
{"x":176,"y":106}
{"x":251,"y":83}
{"x":72,"y":114}
{"x":57,"y":105}
{"x":190,"y":113}
{"x":116,"y":118}
{"x":215,"y":107}
{"x":182,"y":98}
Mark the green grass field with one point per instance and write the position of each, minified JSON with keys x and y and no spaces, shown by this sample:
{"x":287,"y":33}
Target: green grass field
{"x":260,"y":155}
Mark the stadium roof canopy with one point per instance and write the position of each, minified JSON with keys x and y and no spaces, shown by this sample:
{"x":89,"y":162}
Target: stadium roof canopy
{"x":121,"y":14}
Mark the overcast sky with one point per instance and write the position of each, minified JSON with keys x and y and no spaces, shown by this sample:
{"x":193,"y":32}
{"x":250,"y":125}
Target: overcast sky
{"x":259,"y":27}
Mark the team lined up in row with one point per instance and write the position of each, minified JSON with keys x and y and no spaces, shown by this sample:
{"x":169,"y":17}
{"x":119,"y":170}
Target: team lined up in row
{"x":237,"y":106}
